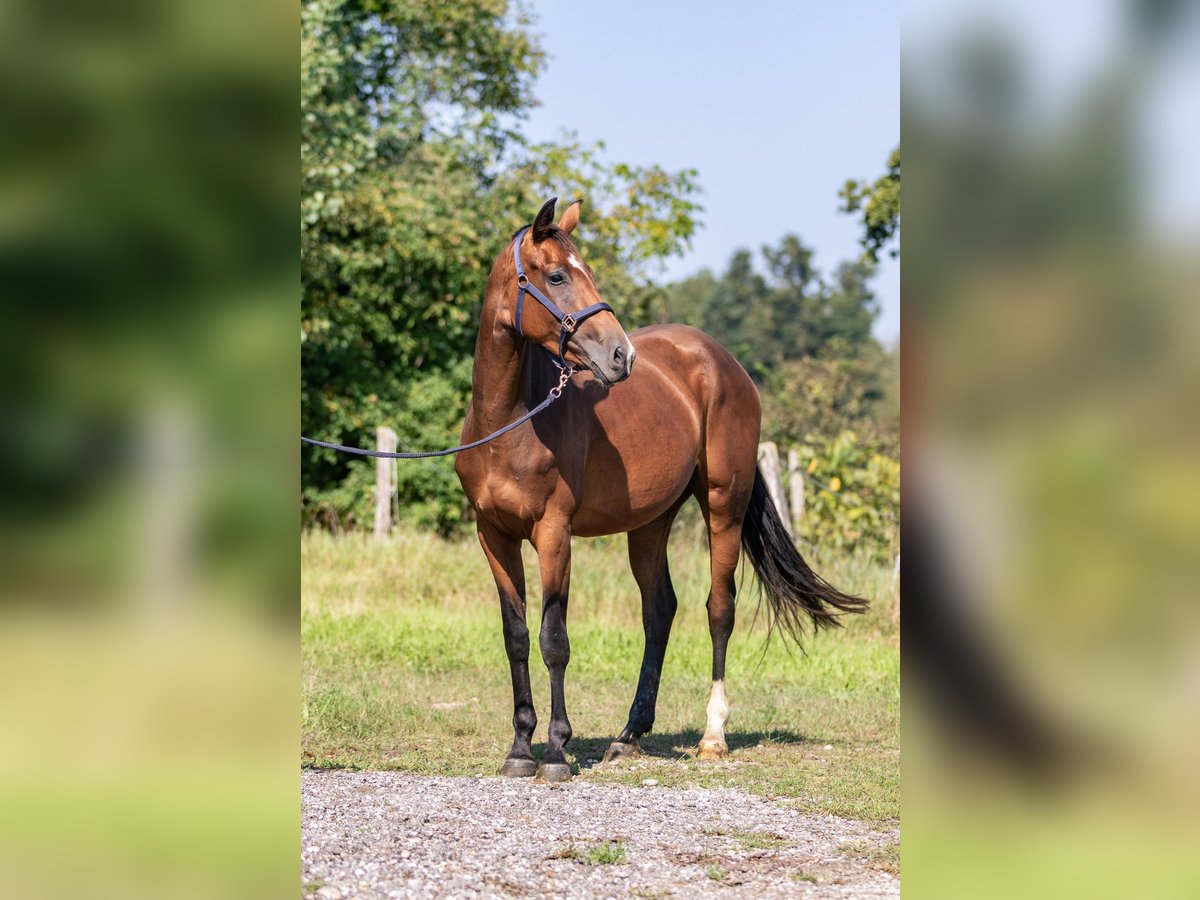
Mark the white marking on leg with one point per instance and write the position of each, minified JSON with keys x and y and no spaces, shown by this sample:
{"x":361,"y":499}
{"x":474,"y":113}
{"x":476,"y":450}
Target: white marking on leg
{"x":718,"y":714}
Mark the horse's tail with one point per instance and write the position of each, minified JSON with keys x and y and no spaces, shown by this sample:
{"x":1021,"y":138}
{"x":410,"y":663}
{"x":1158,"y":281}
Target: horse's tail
{"x":792,"y":589}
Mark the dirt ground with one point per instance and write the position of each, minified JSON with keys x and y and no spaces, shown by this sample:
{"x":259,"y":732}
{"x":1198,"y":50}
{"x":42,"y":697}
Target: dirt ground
{"x":392,"y":834}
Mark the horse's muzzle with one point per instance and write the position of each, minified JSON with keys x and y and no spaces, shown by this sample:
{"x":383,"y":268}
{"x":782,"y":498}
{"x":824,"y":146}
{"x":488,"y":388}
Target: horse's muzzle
{"x":610,"y":361}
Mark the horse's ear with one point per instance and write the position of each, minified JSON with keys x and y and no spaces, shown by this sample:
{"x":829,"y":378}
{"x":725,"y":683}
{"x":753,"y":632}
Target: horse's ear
{"x":544,"y":221}
{"x":571,"y":217}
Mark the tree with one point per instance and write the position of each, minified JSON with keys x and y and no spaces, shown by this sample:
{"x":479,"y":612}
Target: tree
{"x":789,"y":313}
{"x":879,"y":204}
{"x":836,"y":391}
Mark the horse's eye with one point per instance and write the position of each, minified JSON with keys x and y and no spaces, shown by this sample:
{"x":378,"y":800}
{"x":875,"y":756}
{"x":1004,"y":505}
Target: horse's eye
{"x":556,"y":279}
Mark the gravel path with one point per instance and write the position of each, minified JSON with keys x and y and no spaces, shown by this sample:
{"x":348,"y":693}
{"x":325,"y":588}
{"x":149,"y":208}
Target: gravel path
{"x":392,"y":834}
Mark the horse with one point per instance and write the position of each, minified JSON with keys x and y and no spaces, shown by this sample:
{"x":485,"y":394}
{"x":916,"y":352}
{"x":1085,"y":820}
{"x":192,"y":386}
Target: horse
{"x":619,"y":453}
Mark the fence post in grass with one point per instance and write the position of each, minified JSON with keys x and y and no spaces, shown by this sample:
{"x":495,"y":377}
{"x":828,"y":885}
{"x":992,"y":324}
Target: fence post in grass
{"x":768,"y":464}
{"x":385,"y":440}
{"x":796,"y":484}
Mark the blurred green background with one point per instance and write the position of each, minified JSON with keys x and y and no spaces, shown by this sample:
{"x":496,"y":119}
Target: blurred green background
{"x":148,"y":534}
{"x":1051,"y":383}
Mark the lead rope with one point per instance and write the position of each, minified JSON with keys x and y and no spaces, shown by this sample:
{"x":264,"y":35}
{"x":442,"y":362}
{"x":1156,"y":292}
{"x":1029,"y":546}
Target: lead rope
{"x":565,"y":373}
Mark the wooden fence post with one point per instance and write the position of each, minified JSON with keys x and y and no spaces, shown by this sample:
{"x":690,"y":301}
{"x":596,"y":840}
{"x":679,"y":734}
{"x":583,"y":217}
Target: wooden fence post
{"x":768,"y":464}
{"x":385,"y":440}
{"x":796,"y":483}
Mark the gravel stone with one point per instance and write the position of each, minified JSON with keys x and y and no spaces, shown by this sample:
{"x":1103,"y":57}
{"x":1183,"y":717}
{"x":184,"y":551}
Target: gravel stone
{"x":393,"y":834}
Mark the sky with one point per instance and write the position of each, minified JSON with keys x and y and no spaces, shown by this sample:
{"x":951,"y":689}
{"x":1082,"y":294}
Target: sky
{"x":775,"y":103}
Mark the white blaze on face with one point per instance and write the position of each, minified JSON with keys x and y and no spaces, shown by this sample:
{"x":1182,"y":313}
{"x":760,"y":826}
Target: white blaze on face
{"x":630,"y":353}
{"x":718,"y":712}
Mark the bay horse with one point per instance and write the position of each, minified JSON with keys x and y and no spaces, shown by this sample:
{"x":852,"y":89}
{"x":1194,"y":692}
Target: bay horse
{"x":620,"y":452}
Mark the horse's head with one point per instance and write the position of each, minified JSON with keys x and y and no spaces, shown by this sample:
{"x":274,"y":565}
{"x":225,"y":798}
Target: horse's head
{"x":554,"y":265}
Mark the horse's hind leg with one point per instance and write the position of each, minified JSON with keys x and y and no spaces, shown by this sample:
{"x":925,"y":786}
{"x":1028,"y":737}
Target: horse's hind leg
{"x":724,"y":506}
{"x":648,"y":559}
{"x":504,"y":556}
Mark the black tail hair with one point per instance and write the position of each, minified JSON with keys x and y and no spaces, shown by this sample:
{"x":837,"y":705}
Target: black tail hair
{"x":792,"y":589}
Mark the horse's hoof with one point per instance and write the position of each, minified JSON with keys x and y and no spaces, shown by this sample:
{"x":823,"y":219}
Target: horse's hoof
{"x":618,"y":751}
{"x":518,"y":768}
{"x":552,"y":773}
{"x":713,"y":750}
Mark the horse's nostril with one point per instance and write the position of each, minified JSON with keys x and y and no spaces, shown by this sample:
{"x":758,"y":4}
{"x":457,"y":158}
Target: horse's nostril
{"x":618,"y":354}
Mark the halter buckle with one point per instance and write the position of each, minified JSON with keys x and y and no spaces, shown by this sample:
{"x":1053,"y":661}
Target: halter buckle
{"x":568,"y":323}
{"x":522,"y":280}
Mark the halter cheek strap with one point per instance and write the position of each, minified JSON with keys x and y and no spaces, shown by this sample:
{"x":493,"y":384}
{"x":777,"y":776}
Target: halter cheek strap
{"x":569,"y":322}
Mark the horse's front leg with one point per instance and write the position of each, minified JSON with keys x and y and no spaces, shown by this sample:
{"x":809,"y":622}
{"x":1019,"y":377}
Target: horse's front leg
{"x":504,"y":556}
{"x":553,"y":544}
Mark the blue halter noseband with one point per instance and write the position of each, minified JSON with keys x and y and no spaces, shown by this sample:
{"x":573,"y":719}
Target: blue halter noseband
{"x":569,"y":322}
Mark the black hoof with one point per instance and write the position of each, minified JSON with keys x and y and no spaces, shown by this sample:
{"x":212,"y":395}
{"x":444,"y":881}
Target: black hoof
{"x":518,"y":768}
{"x":618,"y":751}
{"x":554,"y":772}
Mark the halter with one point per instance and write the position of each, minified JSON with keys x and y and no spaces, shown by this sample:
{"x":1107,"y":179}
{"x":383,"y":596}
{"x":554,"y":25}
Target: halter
{"x":569,"y":322}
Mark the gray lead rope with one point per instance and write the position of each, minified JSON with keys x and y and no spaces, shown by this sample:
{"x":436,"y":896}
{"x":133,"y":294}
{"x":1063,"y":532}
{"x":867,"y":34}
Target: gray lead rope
{"x":555,"y":393}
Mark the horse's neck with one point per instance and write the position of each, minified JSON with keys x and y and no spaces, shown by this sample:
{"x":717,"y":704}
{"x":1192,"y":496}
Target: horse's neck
{"x":499,"y":378}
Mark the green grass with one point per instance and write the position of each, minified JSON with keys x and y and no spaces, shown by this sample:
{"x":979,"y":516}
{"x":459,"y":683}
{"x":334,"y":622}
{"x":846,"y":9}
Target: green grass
{"x":606,"y":854}
{"x":751,"y":840}
{"x":715,"y":872}
{"x":403,"y":667}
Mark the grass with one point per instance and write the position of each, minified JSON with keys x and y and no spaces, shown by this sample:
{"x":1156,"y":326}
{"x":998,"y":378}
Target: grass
{"x":606,"y":854}
{"x":884,"y":858}
{"x":403,"y":667}
{"x":715,"y":872}
{"x":751,"y":840}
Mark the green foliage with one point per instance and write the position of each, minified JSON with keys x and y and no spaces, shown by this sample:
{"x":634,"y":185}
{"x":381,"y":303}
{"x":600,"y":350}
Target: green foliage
{"x":413,"y":176}
{"x":852,"y":497}
{"x":879,"y":204}
{"x":835,"y":391}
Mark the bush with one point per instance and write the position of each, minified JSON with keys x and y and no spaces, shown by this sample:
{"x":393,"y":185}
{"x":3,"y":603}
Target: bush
{"x":427,"y":415}
{"x":852,"y":496}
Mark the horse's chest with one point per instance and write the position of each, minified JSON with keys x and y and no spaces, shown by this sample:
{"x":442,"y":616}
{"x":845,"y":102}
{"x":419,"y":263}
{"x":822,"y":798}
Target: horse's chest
{"x":514,"y":486}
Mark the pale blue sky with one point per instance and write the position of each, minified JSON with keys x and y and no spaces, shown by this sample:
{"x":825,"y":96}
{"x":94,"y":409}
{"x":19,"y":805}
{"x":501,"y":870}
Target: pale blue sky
{"x":775,"y":103}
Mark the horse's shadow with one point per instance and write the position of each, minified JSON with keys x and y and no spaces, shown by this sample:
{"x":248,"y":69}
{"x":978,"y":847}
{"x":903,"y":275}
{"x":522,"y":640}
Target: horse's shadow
{"x":675,"y":745}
